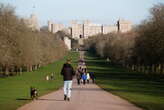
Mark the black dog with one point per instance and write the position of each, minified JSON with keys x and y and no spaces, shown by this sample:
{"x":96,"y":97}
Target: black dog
{"x":33,"y":93}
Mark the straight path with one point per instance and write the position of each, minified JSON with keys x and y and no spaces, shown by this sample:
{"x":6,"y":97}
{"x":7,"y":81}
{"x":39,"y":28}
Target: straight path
{"x":84,"y":97}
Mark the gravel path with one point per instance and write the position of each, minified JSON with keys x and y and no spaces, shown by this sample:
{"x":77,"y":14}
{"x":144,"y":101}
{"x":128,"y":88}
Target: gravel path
{"x":84,"y":97}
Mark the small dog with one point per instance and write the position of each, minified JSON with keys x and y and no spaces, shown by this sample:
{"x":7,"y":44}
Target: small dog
{"x":33,"y":93}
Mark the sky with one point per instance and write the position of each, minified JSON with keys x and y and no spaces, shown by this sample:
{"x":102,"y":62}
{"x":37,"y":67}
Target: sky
{"x":98,"y":11}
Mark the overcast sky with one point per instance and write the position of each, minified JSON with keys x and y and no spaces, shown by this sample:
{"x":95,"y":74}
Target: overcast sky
{"x":99,"y":11}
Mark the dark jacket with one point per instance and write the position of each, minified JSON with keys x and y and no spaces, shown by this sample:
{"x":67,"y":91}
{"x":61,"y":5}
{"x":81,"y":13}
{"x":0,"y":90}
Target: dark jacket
{"x":78,"y":75}
{"x":92,"y":76}
{"x":67,"y":72}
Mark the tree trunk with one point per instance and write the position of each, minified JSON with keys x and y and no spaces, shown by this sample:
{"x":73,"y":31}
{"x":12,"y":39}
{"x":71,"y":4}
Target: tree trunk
{"x":147,"y":69}
{"x":133,"y":67}
{"x":161,"y":67}
{"x":20,"y":70}
{"x":30,"y":68}
{"x":153,"y":69}
{"x":6,"y":71}
{"x":36,"y":67}
{"x":143,"y":68}
{"x":139,"y":68}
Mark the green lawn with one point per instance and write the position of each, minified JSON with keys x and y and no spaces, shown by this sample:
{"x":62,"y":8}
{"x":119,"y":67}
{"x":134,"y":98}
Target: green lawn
{"x":146,"y":91}
{"x":14,"y":91}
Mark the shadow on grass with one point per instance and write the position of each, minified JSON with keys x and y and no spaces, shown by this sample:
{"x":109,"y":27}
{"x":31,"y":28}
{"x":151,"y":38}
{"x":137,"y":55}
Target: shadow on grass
{"x":23,"y":99}
{"x":146,"y":88}
{"x":43,"y":99}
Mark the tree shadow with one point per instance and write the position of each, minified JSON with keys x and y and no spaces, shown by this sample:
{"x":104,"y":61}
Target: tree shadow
{"x":117,"y":79}
{"x":87,"y":89}
{"x":46,"y":99}
{"x":42,"y":99}
{"x":23,"y":99}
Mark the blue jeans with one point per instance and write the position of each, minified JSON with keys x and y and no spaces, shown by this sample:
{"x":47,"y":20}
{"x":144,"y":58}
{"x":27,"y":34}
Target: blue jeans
{"x":67,"y":88}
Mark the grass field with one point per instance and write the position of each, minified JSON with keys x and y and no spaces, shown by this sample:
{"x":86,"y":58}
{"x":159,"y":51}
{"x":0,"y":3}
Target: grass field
{"x":14,"y":91}
{"x":146,"y":91}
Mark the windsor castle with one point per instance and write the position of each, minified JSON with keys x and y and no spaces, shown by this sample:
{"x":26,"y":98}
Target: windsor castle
{"x":80,"y":30}
{"x":86,"y":28}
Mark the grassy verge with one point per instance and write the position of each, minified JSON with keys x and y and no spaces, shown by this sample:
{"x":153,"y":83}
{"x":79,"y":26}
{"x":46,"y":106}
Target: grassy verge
{"x":14,"y":91}
{"x":146,"y":91}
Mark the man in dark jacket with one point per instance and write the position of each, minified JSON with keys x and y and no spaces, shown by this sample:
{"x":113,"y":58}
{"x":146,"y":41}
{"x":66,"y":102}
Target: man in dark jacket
{"x":68,"y":73}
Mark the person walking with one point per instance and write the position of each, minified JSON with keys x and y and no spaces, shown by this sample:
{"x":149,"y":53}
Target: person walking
{"x":78,"y":76}
{"x":92,"y":76}
{"x":88,"y":78}
{"x":84,"y":78}
{"x":68,"y":73}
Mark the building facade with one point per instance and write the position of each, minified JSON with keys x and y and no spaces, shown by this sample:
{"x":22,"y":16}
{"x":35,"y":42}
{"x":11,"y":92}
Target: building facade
{"x":55,"y":27}
{"x":91,"y":29}
{"x":108,"y":29}
{"x":87,"y":28}
{"x":124,"y":25}
{"x":77,"y":30}
{"x":32,"y":22}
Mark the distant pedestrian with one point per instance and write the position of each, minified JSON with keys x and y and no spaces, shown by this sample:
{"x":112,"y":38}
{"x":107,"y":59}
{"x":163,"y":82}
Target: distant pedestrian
{"x":78,"y":75}
{"x":84,"y":78}
{"x":88,"y":78}
{"x":68,"y":73}
{"x":80,"y":70}
{"x":92,"y":76}
{"x":52,"y":76}
{"x":47,"y":77}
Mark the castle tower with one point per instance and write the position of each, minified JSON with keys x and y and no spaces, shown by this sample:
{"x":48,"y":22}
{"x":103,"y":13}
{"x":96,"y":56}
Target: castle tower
{"x":55,"y":27}
{"x":77,"y":30}
{"x":32,"y":22}
{"x":124,"y":25}
{"x":50,"y":26}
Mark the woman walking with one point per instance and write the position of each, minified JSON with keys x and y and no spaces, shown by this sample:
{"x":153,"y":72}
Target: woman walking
{"x":68,"y":73}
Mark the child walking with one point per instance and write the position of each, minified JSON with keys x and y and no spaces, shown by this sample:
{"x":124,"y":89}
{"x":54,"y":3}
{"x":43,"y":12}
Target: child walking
{"x":84,"y":78}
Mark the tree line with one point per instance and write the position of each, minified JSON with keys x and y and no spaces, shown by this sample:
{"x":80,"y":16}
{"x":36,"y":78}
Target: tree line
{"x":141,"y":49}
{"x":22,"y":49}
